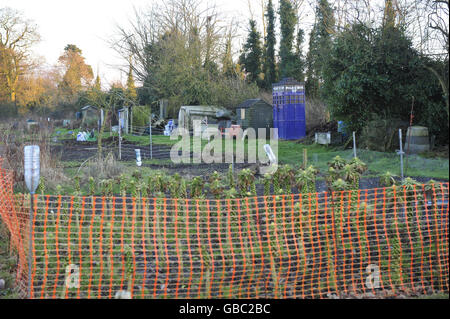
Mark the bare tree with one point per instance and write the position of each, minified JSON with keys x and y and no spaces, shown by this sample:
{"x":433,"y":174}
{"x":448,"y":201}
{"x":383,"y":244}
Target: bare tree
{"x":17,"y":35}
{"x":429,"y":29}
{"x":183,"y":19}
{"x":438,"y":20}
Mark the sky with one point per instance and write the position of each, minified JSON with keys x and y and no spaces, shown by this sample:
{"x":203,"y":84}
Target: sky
{"x":89,"y":24}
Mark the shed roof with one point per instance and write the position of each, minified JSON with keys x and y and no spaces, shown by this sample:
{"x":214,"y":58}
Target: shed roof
{"x":201,"y":108}
{"x":249,"y":103}
{"x":84,"y":108}
{"x":205,"y":110}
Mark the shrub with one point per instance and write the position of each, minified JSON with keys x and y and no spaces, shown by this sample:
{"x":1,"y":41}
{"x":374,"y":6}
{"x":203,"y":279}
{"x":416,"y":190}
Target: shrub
{"x":378,"y":71}
{"x":305,"y":180}
{"x":246,"y":183}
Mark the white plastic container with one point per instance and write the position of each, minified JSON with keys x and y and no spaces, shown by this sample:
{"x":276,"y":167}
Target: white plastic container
{"x":138,"y":157}
{"x":32,"y":167}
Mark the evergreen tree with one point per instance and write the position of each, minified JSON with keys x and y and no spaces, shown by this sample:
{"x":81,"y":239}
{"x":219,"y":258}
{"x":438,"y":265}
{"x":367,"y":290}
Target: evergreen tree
{"x":251,"y":56}
{"x":228,"y":67}
{"x":320,"y":42}
{"x":312,"y":81}
{"x":269,"y":66}
{"x":389,"y":14}
{"x":131,"y":93}
{"x":288,"y":20}
{"x":374,"y":73}
{"x":97,"y":84}
{"x":77,"y":76}
{"x":299,"y":62}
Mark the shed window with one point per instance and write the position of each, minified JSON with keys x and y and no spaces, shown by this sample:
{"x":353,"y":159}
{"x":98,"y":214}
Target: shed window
{"x":242,"y":114}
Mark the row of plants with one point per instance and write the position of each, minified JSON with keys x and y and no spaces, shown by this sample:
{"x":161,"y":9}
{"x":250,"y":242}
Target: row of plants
{"x":342,"y":175}
{"x":281,"y":246}
{"x":301,"y":244}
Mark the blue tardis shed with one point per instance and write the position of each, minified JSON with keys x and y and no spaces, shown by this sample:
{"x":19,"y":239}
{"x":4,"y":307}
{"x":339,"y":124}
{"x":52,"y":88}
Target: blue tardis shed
{"x":289,"y":109}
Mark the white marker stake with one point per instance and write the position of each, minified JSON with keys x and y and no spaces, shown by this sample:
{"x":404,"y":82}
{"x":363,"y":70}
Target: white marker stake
{"x":138,"y":157}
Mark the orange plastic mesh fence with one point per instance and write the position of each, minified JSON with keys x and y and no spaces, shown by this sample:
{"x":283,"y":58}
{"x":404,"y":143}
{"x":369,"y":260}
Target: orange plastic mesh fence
{"x":16,"y":218}
{"x":288,"y":246}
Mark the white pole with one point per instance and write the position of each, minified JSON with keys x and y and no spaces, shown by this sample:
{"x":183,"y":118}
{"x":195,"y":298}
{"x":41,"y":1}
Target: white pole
{"x":354,"y":144}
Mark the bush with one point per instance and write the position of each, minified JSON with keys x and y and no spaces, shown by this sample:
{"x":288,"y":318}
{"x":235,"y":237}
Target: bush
{"x":378,"y":71}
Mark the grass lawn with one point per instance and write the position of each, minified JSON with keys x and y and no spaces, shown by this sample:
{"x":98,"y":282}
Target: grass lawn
{"x":378,"y":162}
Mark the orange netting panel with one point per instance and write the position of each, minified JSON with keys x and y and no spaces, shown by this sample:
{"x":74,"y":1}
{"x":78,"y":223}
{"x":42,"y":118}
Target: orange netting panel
{"x":16,"y":218}
{"x":320,"y":245}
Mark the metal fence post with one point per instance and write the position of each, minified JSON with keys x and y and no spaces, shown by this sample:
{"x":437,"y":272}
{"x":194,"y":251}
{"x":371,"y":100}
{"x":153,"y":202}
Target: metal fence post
{"x":30,"y":243}
{"x":131,"y":119}
{"x":401,"y":153}
{"x":354,"y":144}
{"x":120,"y":141}
{"x":232,"y":157}
{"x":151,"y":141}
{"x":32,"y":171}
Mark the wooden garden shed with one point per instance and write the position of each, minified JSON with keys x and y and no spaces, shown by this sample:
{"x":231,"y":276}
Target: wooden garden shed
{"x":255,"y":113}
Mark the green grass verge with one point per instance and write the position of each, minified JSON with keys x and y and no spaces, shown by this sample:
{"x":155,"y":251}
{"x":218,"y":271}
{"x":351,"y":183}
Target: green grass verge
{"x":378,"y":162}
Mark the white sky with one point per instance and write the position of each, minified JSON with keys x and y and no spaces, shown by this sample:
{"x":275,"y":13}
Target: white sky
{"x":90,"y":23}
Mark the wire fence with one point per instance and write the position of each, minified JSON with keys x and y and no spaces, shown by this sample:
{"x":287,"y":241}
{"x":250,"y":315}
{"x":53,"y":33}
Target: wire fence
{"x":123,"y":145}
{"x":318,"y":245}
{"x":126,"y":146}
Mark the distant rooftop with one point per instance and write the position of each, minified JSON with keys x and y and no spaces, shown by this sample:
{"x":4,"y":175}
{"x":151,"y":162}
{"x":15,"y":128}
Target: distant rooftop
{"x":249,"y":103}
